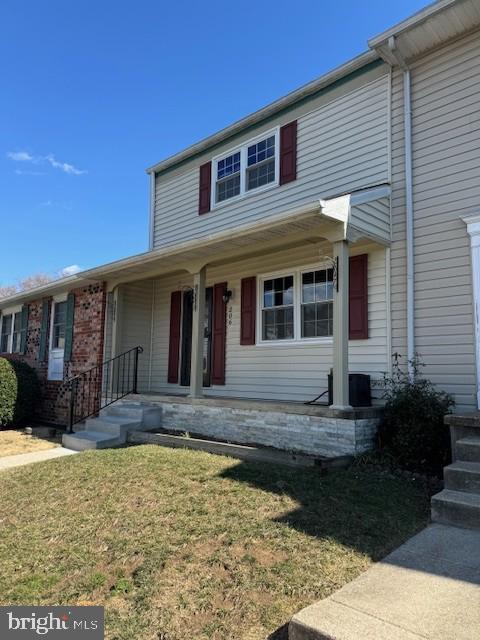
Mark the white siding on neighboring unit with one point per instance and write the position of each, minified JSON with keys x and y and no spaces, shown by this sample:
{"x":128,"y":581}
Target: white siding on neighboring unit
{"x":342,"y":145}
{"x":274,"y":371}
{"x":446,"y":187}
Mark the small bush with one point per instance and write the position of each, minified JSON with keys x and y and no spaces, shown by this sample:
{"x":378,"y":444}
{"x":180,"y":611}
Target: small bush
{"x":413,"y":430}
{"x":19,"y":392}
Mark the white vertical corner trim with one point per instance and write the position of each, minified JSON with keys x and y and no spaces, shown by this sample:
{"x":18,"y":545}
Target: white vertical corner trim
{"x":152,"y":210}
{"x":473,"y":229}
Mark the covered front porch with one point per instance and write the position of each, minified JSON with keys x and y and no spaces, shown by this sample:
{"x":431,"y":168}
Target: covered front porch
{"x":188,"y":308}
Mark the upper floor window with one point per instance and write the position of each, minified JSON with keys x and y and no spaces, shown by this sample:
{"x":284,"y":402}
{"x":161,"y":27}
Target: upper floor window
{"x":251,"y":166}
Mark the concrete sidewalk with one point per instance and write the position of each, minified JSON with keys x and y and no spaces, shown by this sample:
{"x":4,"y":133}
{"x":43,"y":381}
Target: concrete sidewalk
{"x":428,"y":588}
{"x":9,"y":462}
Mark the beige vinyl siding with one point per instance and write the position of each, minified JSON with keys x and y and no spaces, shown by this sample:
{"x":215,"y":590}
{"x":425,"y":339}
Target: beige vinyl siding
{"x":342,"y":145}
{"x":135,"y":324}
{"x":273,"y":371}
{"x":373,"y":219}
{"x":446,"y":186}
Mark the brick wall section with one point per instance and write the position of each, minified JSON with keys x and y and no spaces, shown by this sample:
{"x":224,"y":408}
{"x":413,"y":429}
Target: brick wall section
{"x":87,"y":348}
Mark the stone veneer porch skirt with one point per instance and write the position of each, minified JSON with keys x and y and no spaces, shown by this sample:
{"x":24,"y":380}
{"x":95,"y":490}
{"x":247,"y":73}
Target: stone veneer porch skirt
{"x":289,"y":426}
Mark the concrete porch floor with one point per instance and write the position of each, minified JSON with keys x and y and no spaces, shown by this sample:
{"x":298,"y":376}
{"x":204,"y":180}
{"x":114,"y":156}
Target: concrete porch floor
{"x":281,"y":406}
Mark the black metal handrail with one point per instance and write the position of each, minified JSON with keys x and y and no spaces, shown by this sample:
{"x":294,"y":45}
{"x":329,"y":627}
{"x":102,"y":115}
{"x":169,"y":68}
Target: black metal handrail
{"x":102,"y":385}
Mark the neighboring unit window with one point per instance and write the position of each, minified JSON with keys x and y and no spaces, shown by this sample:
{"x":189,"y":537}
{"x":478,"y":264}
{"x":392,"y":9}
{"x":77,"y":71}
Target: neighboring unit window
{"x":317,"y":303}
{"x":17,"y":333}
{"x":228,"y":177}
{"x":278,"y":306}
{"x":261,"y":163}
{"x":6,"y":331}
{"x":59,"y":325}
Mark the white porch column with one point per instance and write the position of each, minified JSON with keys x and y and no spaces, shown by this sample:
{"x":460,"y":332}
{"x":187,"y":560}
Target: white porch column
{"x":340,"y":327}
{"x":198,"y":329}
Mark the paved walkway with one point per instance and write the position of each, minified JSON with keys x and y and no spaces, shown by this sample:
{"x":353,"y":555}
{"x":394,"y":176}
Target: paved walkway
{"x":428,"y":588}
{"x":9,"y":462}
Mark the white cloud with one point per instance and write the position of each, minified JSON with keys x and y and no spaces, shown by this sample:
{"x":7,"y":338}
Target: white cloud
{"x":71,"y":270}
{"x":20,"y":156}
{"x":24,"y":156}
{"x":63,"y":166}
{"x":19,"y":172}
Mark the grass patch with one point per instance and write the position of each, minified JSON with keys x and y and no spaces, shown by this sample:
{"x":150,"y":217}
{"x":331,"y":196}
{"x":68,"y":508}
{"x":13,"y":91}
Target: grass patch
{"x":16,"y":441}
{"x":182,"y":544}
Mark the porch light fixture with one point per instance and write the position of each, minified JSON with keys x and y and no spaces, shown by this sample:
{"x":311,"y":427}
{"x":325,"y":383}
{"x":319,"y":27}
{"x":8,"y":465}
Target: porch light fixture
{"x":227,"y":296}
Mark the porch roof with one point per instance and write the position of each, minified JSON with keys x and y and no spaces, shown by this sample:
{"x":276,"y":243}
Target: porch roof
{"x":362,"y":214}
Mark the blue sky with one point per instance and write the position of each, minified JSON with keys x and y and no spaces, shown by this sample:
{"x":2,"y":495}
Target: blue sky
{"x":94,"y":92}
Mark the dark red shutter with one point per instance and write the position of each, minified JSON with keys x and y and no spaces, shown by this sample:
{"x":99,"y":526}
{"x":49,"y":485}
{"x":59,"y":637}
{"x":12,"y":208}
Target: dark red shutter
{"x":248,"y":310}
{"x":174,"y":348}
{"x":358,"y":297}
{"x":219,"y":333}
{"x":288,"y":152}
{"x":205,"y":188}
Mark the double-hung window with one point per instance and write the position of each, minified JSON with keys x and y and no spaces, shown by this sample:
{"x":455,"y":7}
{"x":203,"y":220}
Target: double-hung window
{"x":297,"y":306}
{"x":6,"y":333}
{"x":261,"y":163}
{"x":252,"y":166}
{"x":11,"y":332}
{"x":317,"y":303}
{"x":228,"y":177}
{"x":17,"y":332}
{"x":278,"y":309}
{"x":59,"y":325}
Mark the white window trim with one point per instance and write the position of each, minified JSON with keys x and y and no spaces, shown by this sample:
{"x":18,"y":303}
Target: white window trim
{"x":242,"y":148}
{"x":297,"y":340}
{"x":6,"y":312}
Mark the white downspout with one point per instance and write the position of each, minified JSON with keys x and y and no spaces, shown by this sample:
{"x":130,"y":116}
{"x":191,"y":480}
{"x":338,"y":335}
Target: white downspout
{"x":407,"y":119}
{"x":407,"y":114}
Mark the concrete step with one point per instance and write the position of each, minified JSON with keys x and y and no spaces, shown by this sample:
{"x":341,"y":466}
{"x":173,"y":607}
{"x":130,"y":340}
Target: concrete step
{"x":149,"y":414}
{"x":468,"y":449}
{"x":456,"y":508}
{"x":117,"y":426}
{"x":463,"y":476}
{"x":83,"y":440}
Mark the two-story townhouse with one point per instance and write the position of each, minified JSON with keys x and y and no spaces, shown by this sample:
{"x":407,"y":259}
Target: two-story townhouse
{"x":318,"y":234}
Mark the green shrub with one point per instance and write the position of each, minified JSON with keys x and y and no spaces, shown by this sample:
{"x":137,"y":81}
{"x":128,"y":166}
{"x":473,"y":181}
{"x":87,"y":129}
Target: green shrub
{"x":19,"y":392}
{"x":413,"y":430}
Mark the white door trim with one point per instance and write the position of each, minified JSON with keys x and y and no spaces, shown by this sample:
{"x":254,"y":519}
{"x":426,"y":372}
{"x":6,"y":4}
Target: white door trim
{"x":473,"y":229}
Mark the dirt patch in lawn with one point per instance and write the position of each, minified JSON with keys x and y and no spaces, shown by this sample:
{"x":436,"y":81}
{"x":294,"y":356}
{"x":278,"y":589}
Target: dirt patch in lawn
{"x":16,"y":441}
{"x":183,"y":544}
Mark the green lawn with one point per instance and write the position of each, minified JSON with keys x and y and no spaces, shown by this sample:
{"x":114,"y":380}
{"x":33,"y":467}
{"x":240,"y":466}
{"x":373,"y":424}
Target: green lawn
{"x":183,"y":545}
